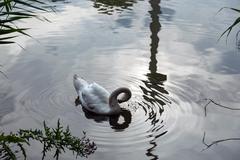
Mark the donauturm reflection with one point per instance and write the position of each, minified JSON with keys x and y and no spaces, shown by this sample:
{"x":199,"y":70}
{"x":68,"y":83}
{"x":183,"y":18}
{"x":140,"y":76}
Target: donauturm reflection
{"x":154,"y":93}
{"x":109,"y":6}
{"x":153,"y":90}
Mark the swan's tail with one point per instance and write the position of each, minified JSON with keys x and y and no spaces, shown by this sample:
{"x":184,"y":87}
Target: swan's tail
{"x":79,"y":83}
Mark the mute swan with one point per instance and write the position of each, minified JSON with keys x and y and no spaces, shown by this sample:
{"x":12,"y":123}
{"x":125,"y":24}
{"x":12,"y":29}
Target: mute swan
{"x":97,"y":99}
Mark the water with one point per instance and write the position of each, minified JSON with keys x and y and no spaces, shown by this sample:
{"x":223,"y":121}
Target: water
{"x":166,"y":52}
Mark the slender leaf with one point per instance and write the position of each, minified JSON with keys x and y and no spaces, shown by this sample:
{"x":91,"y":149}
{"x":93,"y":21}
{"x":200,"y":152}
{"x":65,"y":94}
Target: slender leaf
{"x":12,"y":19}
{"x":5,"y":38}
{"x":24,"y":9}
{"x":7,"y":4}
{"x":237,"y":10}
{"x":234,"y":9}
{"x":229,"y":29}
{"x":18,"y":13}
{"x":36,"y":1}
{"x":8,"y":31}
{"x":19,"y":30}
{"x":30,"y":5}
{"x":22,"y":150}
{"x":6,"y":42}
{"x":9,"y":152}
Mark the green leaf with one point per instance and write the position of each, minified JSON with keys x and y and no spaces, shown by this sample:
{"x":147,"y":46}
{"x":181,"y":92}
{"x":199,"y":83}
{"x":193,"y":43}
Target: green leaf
{"x":11,"y":138}
{"x":36,"y":1}
{"x":6,"y":38}
{"x":22,"y":150}
{"x":29,"y":5}
{"x":7,"y":5}
{"x":9,"y":152}
{"x":12,"y":30}
{"x":19,"y":30}
{"x":12,"y":19}
{"x":24,"y":9}
{"x":18,"y":13}
{"x":6,"y":42}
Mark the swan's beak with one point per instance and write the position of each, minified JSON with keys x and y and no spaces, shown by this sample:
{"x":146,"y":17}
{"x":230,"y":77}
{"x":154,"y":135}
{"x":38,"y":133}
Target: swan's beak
{"x":77,"y":101}
{"x":75,"y":76}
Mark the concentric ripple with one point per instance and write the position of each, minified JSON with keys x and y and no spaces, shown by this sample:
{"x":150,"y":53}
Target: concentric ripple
{"x":157,"y":114}
{"x":166,"y":56}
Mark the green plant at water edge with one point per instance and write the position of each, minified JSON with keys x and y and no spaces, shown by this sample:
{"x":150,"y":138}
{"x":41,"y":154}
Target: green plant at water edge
{"x":234,"y":24}
{"x":57,"y":139}
{"x":6,"y":141}
{"x":12,"y":11}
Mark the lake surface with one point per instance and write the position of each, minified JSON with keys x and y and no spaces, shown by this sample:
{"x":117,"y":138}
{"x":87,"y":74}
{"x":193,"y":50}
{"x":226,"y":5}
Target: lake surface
{"x":166,"y":52}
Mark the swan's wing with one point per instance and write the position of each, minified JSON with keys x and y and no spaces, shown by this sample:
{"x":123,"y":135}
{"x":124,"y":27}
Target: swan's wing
{"x":99,"y":91}
{"x":95,"y":95}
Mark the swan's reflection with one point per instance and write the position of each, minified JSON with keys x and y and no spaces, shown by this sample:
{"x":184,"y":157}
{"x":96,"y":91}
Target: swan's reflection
{"x":113,"y":120}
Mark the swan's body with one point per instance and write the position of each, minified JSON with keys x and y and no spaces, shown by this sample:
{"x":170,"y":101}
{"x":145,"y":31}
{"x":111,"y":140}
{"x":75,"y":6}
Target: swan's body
{"x":95,"y":98}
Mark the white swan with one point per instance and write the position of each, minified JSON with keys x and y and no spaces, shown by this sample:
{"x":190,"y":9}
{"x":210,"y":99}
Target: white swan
{"x":97,"y":99}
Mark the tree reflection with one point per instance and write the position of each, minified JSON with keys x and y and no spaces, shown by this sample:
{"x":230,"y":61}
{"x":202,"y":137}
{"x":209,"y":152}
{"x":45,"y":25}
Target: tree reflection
{"x":109,"y":6}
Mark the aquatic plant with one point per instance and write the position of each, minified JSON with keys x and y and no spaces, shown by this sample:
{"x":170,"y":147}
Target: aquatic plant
{"x":12,"y":11}
{"x":234,"y":24}
{"x":217,"y":105}
{"x":208,"y":145}
{"x":6,"y":142}
{"x":57,"y":139}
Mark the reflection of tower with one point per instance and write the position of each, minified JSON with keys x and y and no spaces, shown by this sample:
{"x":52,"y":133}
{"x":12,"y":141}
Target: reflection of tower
{"x":155,"y":28}
{"x":154,"y":92}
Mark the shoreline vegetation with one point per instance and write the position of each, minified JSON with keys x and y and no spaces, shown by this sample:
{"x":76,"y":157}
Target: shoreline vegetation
{"x":13,"y":145}
{"x":54,"y":140}
{"x":12,"y":11}
{"x":233,"y":25}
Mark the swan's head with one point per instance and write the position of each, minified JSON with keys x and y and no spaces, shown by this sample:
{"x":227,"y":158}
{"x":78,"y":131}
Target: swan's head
{"x":75,"y":76}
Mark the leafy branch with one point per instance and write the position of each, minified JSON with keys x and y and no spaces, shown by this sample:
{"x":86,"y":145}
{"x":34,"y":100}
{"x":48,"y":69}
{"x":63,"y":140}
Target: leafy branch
{"x":5,"y":146}
{"x":57,"y":139}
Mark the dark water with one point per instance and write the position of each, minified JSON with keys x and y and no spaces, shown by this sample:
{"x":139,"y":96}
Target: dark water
{"x":166,"y":52}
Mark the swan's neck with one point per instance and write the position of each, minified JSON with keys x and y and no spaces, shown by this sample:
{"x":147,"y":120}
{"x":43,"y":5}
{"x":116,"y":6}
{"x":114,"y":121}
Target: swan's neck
{"x":113,"y":99}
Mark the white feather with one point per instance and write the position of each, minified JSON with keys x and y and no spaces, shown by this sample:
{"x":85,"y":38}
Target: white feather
{"x":92,"y":96}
